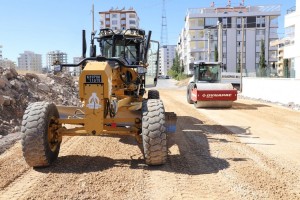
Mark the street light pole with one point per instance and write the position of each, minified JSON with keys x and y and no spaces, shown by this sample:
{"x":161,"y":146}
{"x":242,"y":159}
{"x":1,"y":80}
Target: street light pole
{"x":242,"y":54}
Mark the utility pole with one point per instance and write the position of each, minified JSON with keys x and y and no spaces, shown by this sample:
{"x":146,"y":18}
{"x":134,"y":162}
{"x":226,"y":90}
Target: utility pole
{"x":242,"y":53}
{"x":208,"y":46}
{"x":93,"y":17}
{"x":220,"y":42}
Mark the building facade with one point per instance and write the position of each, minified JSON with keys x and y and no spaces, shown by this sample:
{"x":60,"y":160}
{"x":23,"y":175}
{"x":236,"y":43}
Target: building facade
{"x":119,"y":19}
{"x":29,"y":61}
{"x":166,"y":57}
{"x":291,"y":66}
{"x":201,"y":36}
{"x":54,"y":56}
{"x":76,"y":70}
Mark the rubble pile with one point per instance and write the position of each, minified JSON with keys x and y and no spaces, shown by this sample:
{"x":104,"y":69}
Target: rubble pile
{"x":17,"y":91}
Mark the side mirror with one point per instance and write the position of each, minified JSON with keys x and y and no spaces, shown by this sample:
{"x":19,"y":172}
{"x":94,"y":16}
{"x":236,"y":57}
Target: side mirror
{"x":57,"y":68}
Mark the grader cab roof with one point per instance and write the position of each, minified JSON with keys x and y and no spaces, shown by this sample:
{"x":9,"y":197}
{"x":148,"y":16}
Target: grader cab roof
{"x":128,"y":33}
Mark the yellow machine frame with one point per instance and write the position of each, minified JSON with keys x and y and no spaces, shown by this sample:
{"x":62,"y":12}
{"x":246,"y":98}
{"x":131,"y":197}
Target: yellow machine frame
{"x":93,"y":96}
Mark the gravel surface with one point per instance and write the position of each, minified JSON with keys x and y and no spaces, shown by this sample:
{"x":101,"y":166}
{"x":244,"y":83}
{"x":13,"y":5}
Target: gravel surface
{"x":235,"y":157}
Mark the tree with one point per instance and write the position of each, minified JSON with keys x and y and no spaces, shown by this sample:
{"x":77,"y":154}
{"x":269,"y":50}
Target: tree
{"x":216,"y":54}
{"x":238,"y":67}
{"x":286,"y":70}
{"x":176,"y":64}
{"x":262,"y":61}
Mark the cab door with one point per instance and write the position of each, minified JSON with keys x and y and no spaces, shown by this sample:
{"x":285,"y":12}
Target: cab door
{"x":153,"y":61}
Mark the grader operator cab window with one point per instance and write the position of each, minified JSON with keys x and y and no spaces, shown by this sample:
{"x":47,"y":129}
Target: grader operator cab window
{"x":125,"y":49}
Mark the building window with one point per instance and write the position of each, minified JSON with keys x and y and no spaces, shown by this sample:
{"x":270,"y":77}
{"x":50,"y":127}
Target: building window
{"x":260,"y":21}
{"x":114,"y":22}
{"x":201,"y":34}
{"x":257,"y":43}
{"x":260,"y":32}
{"x":131,"y":15}
{"x":272,"y":54}
{"x":239,"y":22}
{"x":224,"y":32}
{"x":257,"y":55}
{"x":131,"y":21}
{"x":251,"y":22}
{"x":107,"y":23}
{"x":106,"y":15}
{"x":211,"y":22}
{"x":123,"y":15}
{"x":123,"y":22}
{"x":114,"y":15}
{"x":200,"y":22}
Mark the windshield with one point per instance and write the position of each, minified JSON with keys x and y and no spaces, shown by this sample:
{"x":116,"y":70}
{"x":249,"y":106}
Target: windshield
{"x":124,"y":49}
{"x":210,"y":73}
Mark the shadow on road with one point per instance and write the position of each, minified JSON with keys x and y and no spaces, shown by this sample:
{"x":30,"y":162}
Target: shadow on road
{"x":242,"y":106}
{"x":189,"y":148}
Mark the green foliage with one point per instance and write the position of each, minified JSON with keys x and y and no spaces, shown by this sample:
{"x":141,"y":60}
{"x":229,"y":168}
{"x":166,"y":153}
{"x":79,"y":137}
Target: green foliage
{"x":286,"y":68}
{"x":177,"y":69}
{"x":216,"y":54}
{"x":262,"y":61}
{"x":176,"y":64}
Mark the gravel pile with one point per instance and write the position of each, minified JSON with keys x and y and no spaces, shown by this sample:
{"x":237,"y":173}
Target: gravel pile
{"x":17,"y":91}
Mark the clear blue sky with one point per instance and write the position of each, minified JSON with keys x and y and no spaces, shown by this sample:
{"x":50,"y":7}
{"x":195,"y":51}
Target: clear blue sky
{"x":42,"y":26}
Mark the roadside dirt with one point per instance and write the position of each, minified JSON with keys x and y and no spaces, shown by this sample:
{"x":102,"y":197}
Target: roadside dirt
{"x":206,"y":160}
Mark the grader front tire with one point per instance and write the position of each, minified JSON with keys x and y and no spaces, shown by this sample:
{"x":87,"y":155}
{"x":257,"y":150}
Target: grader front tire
{"x":154,"y":132}
{"x":153,"y":94}
{"x":40,"y":144}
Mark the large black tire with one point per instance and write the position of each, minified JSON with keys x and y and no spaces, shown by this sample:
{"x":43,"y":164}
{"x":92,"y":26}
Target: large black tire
{"x":154,"y":132}
{"x":153,"y":94}
{"x":40,"y":144}
{"x":189,"y":93}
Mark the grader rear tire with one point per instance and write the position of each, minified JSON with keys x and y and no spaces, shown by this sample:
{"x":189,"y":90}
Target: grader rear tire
{"x":153,"y":94}
{"x":40,"y":144}
{"x":154,"y":132}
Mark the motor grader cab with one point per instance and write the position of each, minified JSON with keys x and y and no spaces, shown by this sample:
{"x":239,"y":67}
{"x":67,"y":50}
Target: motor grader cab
{"x":205,"y":89}
{"x":112,"y":87}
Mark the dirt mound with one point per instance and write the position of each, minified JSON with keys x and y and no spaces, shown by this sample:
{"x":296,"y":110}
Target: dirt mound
{"x":17,"y":91}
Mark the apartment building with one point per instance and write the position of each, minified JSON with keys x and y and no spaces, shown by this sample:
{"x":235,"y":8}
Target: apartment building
{"x":119,"y":19}
{"x":29,"y":61}
{"x":292,"y":44}
{"x":200,"y":38}
{"x":166,"y":56}
{"x":54,"y":56}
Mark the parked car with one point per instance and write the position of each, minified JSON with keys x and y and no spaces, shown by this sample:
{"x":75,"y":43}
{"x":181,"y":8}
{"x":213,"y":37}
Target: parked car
{"x":167,"y":77}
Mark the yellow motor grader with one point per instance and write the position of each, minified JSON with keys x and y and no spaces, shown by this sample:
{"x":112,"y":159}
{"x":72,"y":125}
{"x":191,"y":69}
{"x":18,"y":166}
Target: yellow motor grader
{"x":112,"y":87}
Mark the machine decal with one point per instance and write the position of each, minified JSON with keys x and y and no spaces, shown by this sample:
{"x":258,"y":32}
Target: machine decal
{"x":94,"y":102}
{"x":93,"y":79}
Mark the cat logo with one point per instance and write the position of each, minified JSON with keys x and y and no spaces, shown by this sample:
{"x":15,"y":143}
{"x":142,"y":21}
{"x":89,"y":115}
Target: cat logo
{"x":94,"y":102}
